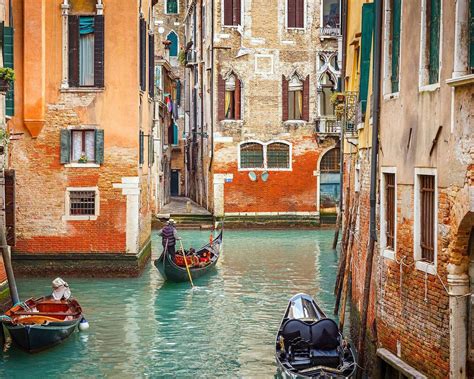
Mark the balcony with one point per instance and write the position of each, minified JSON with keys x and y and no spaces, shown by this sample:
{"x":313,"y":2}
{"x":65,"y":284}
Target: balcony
{"x":191,"y":58}
{"x":328,"y":125}
{"x":329,"y":32}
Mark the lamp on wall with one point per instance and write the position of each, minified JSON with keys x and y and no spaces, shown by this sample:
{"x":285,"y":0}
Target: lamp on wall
{"x":253,"y":176}
{"x":265,"y":176}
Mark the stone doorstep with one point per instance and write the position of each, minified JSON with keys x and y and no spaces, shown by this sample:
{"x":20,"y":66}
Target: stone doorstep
{"x":400,"y":365}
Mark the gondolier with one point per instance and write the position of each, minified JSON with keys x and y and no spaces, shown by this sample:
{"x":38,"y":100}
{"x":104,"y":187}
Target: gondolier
{"x":169,"y":236}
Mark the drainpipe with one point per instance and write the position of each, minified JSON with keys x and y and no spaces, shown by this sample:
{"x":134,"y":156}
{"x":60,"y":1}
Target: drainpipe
{"x":373,"y":183}
{"x":212,"y":87}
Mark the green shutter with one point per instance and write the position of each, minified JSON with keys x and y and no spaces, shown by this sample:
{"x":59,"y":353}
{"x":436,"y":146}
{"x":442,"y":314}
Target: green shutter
{"x":396,"y":20}
{"x":366,"y":48}
{"x":8,"y":62}
{"x":65,"y":146}
{"x":172,"y":6}
{"x":141,"y":142}
{"x":434,"y":28}
{"x":471,"y":35}
{"x":99,"y":146}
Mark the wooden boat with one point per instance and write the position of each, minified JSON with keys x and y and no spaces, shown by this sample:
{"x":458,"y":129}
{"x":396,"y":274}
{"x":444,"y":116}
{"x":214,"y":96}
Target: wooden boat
{"x":169,"y":270}
{"x":310,"y":345}
{"x":38,"y":324}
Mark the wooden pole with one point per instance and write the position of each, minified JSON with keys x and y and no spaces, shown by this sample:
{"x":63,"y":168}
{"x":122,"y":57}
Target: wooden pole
{"x":186,"y":264}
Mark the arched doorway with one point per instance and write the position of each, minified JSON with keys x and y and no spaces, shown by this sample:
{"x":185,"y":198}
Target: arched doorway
{"x":329,"y":185}
{"x":470,"y":305}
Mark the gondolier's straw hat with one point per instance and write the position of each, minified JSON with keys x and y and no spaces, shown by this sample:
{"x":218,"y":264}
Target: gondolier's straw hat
{"x":171,"y":221}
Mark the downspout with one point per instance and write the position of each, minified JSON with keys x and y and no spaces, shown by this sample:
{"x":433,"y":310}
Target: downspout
{"x":211,"y":136}
{"x":201,"y":87}
{"x":373,"y":182}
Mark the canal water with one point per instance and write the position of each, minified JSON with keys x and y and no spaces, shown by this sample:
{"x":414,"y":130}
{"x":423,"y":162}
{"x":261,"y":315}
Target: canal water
{"x":225,"y":327}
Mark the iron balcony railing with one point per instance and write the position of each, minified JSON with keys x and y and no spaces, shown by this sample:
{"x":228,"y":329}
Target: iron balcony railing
{"x":329,"y":31}
{"x":328,"y":125}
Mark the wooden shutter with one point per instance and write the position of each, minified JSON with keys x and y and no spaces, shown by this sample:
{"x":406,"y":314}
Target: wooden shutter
{"x":99,"y":51}
{"x":396,"y":19}
{"x":236,"y":10}
{"x":99,"y":146}
{"x":142,"y":54}
{"x":299,"y":13}
{"x":237,"y":99}
{"x":178,"y":92}
{"x":471,"y":35}
{"x":65,"y":146}
{"x":151,"y":156}
{"x":284,"y":97}
{"x":366,"y":46}
{"x":291,"y":13}
{"x":8,"y":62}
{"x":141,"y":141}
{"x":220,"y":98}
{"x":305,"y":114}
{"x":9,"y":176}
{"x":151,"y":65}
{"x":228,"y":12}
{"x":73,"y":31}
{"x":434,"y":28}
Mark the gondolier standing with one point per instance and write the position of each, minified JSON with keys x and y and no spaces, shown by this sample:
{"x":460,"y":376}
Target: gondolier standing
{"x":169,"y":236}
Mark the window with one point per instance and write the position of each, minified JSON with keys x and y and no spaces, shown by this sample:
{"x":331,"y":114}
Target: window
{"x":82,"y":146}
{"x":278,"y":155}
{"x":251,"y":155}
{"x":331,"y":18}
{"x":142,"y":54}
{"x":430,"y":40}
{"x":173,"y":137}
{"x":232,"y":12}
{"x":366,"y":49}
{"x":295,"y":98}
{"x":265,"y":156}
{"x":86,"y":51}
{"x":426,"y":208}
{"x":82,"y":203}
{"x":8,"y":62}
{"x":295,"y":13}
{"x":230,"y":90}
{"x":392,"y":45}
{"x":151,"y":65}
{"x":388,"y":212}
{"x":141,"y":147}
{"x":326,"y":108}
{"x":173,"y":46}
{"x":171,"y":6}
{"x":331,"y":161}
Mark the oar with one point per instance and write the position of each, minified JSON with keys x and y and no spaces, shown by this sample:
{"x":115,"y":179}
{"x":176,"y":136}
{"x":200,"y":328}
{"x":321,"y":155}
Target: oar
{"x":186,"y":263}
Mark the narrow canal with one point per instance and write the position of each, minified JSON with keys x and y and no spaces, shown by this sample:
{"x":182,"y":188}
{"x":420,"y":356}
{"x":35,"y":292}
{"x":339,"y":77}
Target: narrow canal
{"x":143,"y":327}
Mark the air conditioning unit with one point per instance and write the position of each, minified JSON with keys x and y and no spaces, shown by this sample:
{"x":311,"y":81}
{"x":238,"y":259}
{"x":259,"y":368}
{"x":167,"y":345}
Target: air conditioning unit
{"x":190,"y":58}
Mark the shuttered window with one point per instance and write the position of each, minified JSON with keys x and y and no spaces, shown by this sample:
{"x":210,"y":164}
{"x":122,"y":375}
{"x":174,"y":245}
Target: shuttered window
{"x":171,"y":6}
{"x":295,"y":13}
{"x":86,"y":51}
{"x":141,"y":147}
{"x":8,"y":62}
{"x":471,"y":35}
{"x":10,"y":206}
{"x":142,"y":54}
{"x":232,"y":12}
{"x":395,"y":34}
{"x":151,"y":65}
{"x":366,"y":48}
{"x":390,"y":209}
{"x":251,"y":155}
{"x":433,"y":16}
{"x":427,"y":217}
{"x":82,"y":146}
{"x":278,"y":155}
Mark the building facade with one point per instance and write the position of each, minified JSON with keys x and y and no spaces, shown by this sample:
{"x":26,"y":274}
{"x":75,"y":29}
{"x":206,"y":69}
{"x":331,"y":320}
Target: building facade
{"x":83,"y":105}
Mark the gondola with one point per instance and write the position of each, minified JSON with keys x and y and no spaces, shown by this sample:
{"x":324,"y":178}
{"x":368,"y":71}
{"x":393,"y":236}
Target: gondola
{"x":38,"y":324}
{"x":169,"y":270}
{"x":310,"y":345}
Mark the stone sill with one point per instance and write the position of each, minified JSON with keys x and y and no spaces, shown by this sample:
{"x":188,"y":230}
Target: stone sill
{"x":79,"y":218}
{"x":389,"y":254}
{"x":391,"y":96}
{"x":460,"y":81}
{"x":429,"y":87}
{"x":396,"y":362}
{"x":82,"y":165}
{"x":82,"y":90}
{"x":429,"y":268}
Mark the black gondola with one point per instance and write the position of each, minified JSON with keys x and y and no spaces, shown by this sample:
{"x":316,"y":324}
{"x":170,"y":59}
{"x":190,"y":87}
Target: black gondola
{"x":38,"y":324}
{"x":169,"y":270}
{"x":310,"y":345}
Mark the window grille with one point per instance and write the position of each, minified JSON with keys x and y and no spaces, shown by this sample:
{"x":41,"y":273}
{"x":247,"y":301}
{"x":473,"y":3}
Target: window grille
{"x":427,"y":217}
{"x":390,"y":210}
{"x":331,"y":161}
{"x":278,"y":155}
{"x":82,"y":203}
{"x":251,"y":155}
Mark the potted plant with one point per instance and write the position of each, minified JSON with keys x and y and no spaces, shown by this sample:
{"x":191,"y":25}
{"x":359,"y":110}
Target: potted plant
{"x":337,"y":98}
{"x":83,"y":158}
{"x":7,"y":76}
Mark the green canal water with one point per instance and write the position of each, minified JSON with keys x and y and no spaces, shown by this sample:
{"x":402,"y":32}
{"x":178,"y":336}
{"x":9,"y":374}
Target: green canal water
{"x":143,"y":327}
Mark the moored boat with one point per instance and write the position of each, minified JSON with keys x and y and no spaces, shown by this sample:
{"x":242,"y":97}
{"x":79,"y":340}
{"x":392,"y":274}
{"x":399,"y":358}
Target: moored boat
{"x":310,"y":345}
{"x":38,"y":324}
{"x":172,"y":271}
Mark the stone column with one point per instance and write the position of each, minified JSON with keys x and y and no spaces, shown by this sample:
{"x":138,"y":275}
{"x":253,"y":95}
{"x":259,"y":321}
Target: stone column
{"x":65,"y":45}
{"x":458,"y":285}
{"x":219,"y":195}
{"x":461,"y":38}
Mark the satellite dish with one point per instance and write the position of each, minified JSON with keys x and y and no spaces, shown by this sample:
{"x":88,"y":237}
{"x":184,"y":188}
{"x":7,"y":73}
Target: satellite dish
{"x":253,"y":176}
{"x":265,"y":176}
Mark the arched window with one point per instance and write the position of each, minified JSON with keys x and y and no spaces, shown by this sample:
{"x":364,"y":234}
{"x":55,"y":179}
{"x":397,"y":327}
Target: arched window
{"x":173,"y":47}
{"x":327,"y":89}
{"x":331,"y":161}
{"x":278,"y":155}
{"x":171,"y":6}
{"x":295,"y":98}
{"x":230,"y":98}
{"x":230,"y":90}
{"x":251,"y":155}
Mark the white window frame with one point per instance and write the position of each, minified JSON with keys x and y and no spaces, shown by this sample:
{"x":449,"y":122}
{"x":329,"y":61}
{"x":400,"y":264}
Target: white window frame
{"x":265,"y":165}
{"x":430,"y":268}
{"x":321,"y":19}
{"x":67,"y":205}
{"x":384,"y":251}
{"x":423,"y":79}
{"x":223,"y":25}
{"x":305,"y":13}
{"x":166,"y":8}
{"x":387,"y":57}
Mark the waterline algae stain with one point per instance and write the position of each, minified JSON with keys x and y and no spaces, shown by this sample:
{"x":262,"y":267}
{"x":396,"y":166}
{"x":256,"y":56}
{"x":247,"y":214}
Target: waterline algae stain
{"x":226,"y":327}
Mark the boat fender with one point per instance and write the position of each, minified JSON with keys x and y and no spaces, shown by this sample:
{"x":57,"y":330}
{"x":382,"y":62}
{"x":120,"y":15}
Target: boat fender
{"x":83,"y":325}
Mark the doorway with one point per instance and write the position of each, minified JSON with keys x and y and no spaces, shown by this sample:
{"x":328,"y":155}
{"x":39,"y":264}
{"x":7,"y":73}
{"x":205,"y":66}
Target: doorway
{"x":174,"y":191}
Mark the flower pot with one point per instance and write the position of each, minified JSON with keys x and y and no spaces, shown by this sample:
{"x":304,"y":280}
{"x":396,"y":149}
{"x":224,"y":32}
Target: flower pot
{"x":4,"y":85}
{"x":340,"y":98}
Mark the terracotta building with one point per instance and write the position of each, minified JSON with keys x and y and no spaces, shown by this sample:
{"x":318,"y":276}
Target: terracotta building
{"x":419,"y":313}
{"x":83,"y":102}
